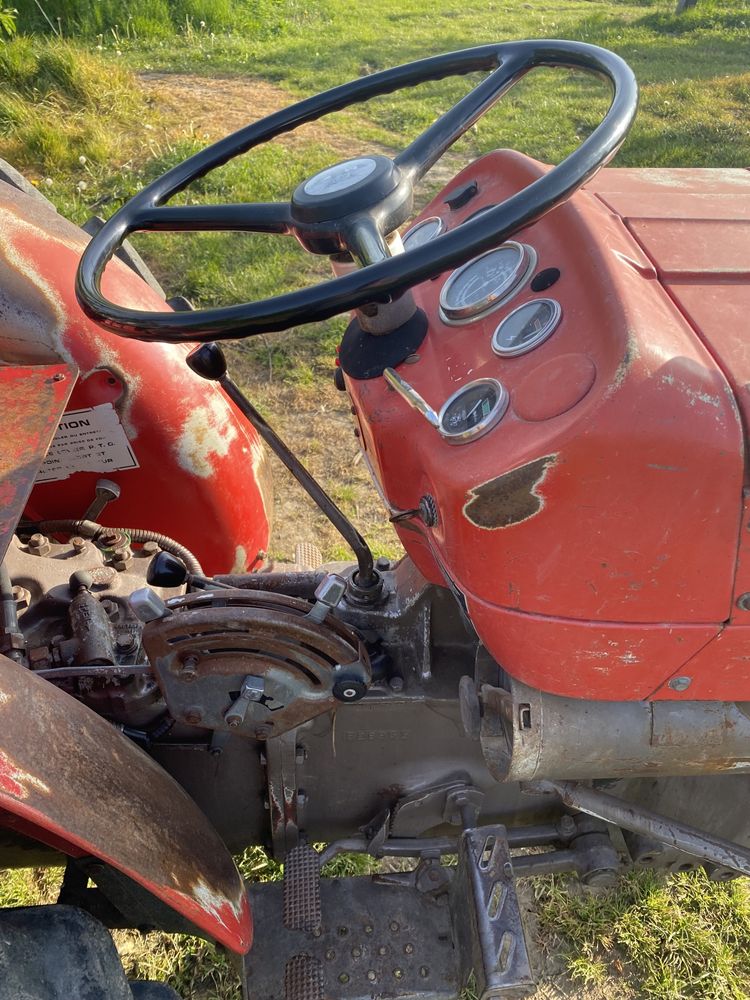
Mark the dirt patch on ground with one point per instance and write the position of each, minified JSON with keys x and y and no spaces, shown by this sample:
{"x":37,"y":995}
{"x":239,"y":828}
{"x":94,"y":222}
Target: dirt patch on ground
{"x":212,"y":107}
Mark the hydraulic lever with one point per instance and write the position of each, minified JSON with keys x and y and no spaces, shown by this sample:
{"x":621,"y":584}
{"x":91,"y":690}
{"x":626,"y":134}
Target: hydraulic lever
{"x":209,"y":362}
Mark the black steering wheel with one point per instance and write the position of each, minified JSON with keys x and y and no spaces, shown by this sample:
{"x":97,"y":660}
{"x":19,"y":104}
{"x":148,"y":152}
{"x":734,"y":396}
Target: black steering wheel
{"x":352,"y":206}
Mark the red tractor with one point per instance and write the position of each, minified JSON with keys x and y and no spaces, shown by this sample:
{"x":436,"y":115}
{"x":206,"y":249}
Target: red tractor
{"x":547,"y":371}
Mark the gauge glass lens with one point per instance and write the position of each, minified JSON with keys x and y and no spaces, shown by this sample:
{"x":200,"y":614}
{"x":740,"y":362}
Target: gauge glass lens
{"x":473,"y":410}
{"x":485,"y":282}
{"x":422,"y":233}
{"x":526,"y":327}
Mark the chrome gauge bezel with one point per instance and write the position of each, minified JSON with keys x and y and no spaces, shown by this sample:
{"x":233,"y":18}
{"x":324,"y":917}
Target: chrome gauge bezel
{"x":486,"y":424}
{"x":539,"y":338}
{"x":430,"y":220}
{"x":478,"y":310}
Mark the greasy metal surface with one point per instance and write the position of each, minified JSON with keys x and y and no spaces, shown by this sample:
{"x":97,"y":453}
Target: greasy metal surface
{"x":212,"y":642}
{"x":90,"y":624}
{"x":613,"y":583}
{"x":527,"y":734}
{"x":487,"y":917}
{"x":103,"y":796}
{"x":283,"y":793}
{"x":378,"y":940}
{"x":32,"y":400}
{"x":201,"y":468}
{"x":631,"y":816}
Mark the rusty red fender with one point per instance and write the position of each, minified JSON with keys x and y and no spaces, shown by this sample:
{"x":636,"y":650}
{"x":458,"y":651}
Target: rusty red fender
{"x":86,"y":789}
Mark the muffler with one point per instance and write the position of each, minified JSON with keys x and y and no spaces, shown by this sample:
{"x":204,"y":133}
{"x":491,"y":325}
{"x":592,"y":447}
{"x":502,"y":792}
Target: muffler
{"x":527,"y":735}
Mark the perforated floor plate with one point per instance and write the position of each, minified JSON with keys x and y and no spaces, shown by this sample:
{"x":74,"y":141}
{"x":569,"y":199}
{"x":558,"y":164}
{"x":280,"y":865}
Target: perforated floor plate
{"x":376,"y":939}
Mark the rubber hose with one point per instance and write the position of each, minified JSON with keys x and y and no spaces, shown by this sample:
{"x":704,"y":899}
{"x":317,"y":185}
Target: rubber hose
{"x":8,"y":601}
{"x":92,"y":530}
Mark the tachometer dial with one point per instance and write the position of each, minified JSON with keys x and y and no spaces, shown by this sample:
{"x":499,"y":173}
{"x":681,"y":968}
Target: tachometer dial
{"x":486,"y":282}
{"x":526,"y":327}
{"x":423,"y":232}
{"x":473,"y":410}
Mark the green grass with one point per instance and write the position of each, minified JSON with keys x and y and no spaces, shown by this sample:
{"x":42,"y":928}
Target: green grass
{"x":128,"y":21}
{"x":64,"y":112}
{"x":686,"y":937}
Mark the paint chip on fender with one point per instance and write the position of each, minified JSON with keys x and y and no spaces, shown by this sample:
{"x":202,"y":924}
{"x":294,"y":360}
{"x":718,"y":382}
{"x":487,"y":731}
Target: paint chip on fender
{"x":509,"y":499}
{"x":208,"y":431}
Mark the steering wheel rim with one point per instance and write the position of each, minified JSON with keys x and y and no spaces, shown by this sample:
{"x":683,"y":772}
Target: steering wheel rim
{"x":359,"y":231}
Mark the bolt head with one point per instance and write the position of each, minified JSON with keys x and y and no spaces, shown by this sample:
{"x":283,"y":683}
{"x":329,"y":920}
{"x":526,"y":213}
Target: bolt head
{"x":680,"y":683}
{"x":39,"y":544}
{"x":193,"y":716}
{"x":78,"y":543}
{"x":22,"y":598}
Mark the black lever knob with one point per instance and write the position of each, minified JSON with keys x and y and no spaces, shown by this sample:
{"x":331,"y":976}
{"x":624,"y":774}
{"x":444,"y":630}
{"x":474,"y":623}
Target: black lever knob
{"x":208,"y":361}
{"x":166,"y":570}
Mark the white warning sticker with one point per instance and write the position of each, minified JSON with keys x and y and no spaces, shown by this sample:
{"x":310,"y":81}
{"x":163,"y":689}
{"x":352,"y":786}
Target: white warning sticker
{"x":90,"y":440}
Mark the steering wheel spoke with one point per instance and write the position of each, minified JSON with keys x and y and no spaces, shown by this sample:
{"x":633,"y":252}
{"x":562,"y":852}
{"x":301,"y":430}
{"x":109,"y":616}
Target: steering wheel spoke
{"x":366,"y":243}
{"x":427,"y":148}
{"x":252,"y":217}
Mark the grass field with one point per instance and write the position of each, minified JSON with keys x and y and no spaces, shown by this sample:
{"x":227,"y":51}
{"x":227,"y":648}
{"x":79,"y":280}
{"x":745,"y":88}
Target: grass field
{"x":83,"y":112}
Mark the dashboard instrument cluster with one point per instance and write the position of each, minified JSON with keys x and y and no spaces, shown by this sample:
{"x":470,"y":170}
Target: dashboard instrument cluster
{"x":535,"y":448}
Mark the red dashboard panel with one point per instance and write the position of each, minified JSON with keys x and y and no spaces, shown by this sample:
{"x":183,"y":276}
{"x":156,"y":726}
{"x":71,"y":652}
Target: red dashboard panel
{"x":593,"y":532}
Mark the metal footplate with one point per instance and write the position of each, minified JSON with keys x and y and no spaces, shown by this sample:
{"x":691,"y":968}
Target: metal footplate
{"x":418,"y":934}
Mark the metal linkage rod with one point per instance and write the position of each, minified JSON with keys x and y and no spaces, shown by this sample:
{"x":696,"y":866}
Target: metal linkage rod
{"x":629,"y":816}
{"x":209,"y":362}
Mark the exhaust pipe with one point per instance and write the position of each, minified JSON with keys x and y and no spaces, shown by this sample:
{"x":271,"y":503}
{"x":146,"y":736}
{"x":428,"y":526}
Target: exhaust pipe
{"x":529,"y":735}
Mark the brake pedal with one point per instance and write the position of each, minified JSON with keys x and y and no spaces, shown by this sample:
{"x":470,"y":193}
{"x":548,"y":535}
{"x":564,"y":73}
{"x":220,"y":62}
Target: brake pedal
{"x":487,"y":917}
{"x":302,"y":889}
{"x":307,"y":556}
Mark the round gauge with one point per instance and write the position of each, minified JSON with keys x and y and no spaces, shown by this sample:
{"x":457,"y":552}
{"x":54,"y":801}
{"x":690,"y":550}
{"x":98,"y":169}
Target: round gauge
{"x":473,"y":410}
{"x":526,"y":327}
{"x":486,"y":282}
{"x":423,"y":232}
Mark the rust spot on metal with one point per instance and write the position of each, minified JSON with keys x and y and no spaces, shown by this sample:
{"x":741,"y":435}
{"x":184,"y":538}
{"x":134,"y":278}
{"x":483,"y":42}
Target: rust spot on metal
{"x":509,"y":499}
{"x":126,"y":810}
{"x":32,"y":399}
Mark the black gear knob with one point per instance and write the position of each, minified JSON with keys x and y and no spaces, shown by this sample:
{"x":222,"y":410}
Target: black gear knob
{"x":208,"y":361}
{"x":166,"y":570}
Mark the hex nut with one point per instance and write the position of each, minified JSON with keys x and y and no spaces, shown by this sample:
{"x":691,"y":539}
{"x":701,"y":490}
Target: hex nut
{"x":193,"y":716}
{"x":39,"y":544}
{"x":22,"y":598}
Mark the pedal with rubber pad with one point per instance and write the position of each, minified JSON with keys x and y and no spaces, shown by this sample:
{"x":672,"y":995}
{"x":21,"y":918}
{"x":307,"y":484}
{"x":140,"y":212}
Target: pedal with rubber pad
{"x":302,"y":889}
{"x":418,"y":934}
